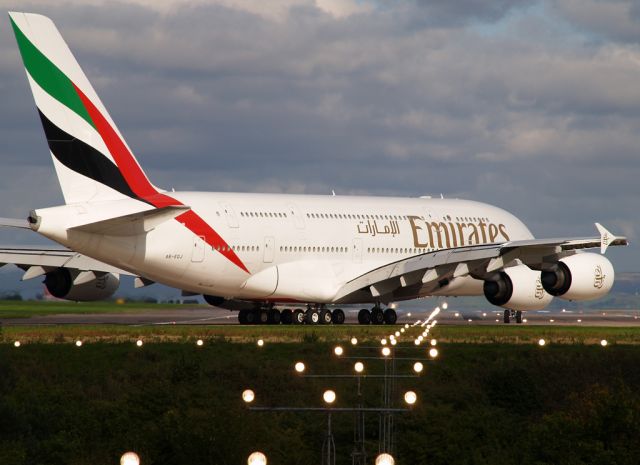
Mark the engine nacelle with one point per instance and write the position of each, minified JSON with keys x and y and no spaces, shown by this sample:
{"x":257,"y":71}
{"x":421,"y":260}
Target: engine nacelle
{"x":582,"y":276}
{"x":59,"y":283}
{"x":517,"y":288}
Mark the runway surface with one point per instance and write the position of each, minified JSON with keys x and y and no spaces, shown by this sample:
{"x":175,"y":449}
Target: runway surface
{"x":215,"y":316}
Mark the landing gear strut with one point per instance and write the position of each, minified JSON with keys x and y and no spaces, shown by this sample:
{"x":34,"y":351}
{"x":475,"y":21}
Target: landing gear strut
{"x":508,"y":314}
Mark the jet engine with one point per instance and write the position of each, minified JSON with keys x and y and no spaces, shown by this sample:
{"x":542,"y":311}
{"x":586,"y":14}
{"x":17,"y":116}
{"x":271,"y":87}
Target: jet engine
{"x":517,"y":288}
{"x":582,"y":276}
{"x":59,"y":283}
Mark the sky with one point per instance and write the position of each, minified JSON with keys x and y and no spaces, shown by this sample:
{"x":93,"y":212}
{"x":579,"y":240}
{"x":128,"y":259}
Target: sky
{"x":533,"y":106}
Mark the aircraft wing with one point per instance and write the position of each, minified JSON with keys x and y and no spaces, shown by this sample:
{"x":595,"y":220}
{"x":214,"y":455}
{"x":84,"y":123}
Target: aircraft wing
{"x":38,"y":261}
{"x":418,"y":275}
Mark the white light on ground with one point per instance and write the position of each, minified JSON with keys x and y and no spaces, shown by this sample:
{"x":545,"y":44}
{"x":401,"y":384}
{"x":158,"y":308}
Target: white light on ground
{"x":469,"y":320}
{"x":260,"y":343}
{"x":604,"y":343}
{"x":410,"y":397}
{"x":433,"y":353}
{"x":129,"y":458}
{"x":445,"y":305}
{"x":393,"y":342}
{"x":484,"y":314}
{"x":300,"y":367}
{"x":418,"y":367}
{"x":338,"y":351}
{"x":434,"y":342}
{"x":579,"y":321}
{"x":199,"y":342}
{"x":456,"y":314}
{"x":386,"y":351}
{"x":409,"y":314}
{"x":552,"y":320}
{"x":524,"y":320}
{"x":497,"y":320}
{"x":78,"y":343}
{"x":383,"y":342}
{"x":248,"y":396}
{"x":402,"y":330}
{"x":542,"y":342}
{"x":385,"y":459}
{"x":417,"y":342}
{"x":139,"y":343}
{"x":359,"y":367}
{"x":397,"y":334}
{"x":329,"y":396}
{"x":257,"y":458}
{"x":406,"y":325}
{"x":16,"y":344}
{"x":354,"y":341}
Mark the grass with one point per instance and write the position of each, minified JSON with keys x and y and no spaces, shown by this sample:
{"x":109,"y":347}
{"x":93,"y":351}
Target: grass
{"x":334,"y":334}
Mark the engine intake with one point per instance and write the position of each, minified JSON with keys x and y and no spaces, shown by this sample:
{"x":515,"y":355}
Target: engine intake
{"x":59,"y":283}
{"x":582,"y":276}
{"x":517,"y":288}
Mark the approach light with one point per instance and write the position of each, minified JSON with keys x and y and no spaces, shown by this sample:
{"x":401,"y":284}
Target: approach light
{"x":359,"y":367}
{"x":329,"y":396}
{"x":417,"y":342}
{"x":354,"y":341}
{"x":386,"y":351}
{"x":484,"y":314}
{"x":299,"y":367}
{"x":139,"y":342}
{"x":393,"y":342}
{"x":445,"y":305}
{"x":78,"y":343}
{"x":604,"y":343}
{"x":410,"y":397}
{"x":260,"y":343}
{"x":579,"y":320}
{"x":338,"y":351}
{"x":409,"y":314}
{"x":257,"y":458}
{"x":248,"y":396}
{"x":406,"y":326}
{"x":397,"y":333}
{"x":433,"y":352}
{"x":16,"y":344}
{"x":402,"y":330}
{"x":129,"y":458}
{"x":456,"y":314}
{"x":385,"y":459}
{"x":418,"y":367}
{"x":383,"y":342}
{"x":199,"y":343}
{"x":433,"y":343}
{"x":542,"y":342}
{"x":524,"y":320}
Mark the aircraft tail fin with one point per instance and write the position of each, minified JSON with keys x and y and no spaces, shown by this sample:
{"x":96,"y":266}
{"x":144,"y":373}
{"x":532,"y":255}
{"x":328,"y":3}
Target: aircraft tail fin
{"x":92,"y":160}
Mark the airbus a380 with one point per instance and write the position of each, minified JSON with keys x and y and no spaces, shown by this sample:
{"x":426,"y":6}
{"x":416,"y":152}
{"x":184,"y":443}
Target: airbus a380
{"x":258,"y":253}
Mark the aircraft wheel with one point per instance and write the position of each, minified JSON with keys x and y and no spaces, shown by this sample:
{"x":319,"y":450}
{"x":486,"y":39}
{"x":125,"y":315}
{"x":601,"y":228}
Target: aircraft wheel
{"x":377,"y":316}
{"x":507,"y":316}
{"x":274,"y":317}
{"x":286,"y":317}
{"x":518,"y":317}
{"x":312,"y":317}
{"x":252,"y":317}
{"x":364,"y":317}
{"x":325,"y":316}
{"x":242,"y":317}
{"x":338,"y":317}
{"x":298,"y":316}
{"x":263,"y":317}
{"x":390,"y":316}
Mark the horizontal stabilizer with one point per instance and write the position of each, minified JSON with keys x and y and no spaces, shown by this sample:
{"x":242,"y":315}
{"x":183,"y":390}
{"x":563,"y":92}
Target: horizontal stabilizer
{"x":132,"y":224}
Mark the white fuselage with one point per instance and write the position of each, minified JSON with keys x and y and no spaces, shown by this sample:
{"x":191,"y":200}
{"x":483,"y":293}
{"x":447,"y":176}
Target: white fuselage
{"x":296,"y":247}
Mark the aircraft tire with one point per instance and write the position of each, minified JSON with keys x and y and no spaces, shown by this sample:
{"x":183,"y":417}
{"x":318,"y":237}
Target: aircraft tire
{"x":337,"y":316}
{"x":312,"y":317}
{"x":263,"y":317}
{"x":377,"y":316}
{"x":252,"y":317}
{"x":364,"y":317}
{"x":390,"y":316}
{"x":242,"y":317}
{"x":507,"y":316}
{"x":274,"y":317}
{"x":325,"y":316}
{"x":519,"y":317}
{"x":286,"y":317}
{"x":298,"y":316}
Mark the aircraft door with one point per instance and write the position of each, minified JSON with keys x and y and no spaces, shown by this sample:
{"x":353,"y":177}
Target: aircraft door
{"x":232,"y":219}
{"x":357,"y":250}
{"x":269,"y":249}
{"x":197,"y":253}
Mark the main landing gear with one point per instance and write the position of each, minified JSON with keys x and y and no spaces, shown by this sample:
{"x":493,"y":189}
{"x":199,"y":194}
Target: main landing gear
{"x":377,"y":316}
{"x":272,"y":316}
{"x":508,"y":314}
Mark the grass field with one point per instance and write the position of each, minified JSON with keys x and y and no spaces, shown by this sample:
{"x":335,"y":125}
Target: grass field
{"x":28,"y":308}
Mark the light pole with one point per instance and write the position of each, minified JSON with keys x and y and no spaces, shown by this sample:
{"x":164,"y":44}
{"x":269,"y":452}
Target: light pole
{"x":359,"y":455}
{"x":329,"y":445}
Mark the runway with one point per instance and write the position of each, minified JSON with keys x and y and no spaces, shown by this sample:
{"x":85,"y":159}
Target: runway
{"x":216,"y":316}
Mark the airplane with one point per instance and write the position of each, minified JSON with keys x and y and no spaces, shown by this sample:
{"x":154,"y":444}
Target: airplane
{"x":260,"y":253}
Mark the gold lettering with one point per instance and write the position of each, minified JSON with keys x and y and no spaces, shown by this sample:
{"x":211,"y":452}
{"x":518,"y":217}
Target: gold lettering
{"x":414,"y":229}
{"x":503,"y":231}
{"x":438,"y":227}
{"x":452,"y":227}
{"x":493,"y":232}
{"x":473,"y":237}
{"x":482,"y":230}
{"x":461,"y":233}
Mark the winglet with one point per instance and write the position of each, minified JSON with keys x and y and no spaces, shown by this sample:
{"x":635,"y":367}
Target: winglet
{"x":606,"y":238}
